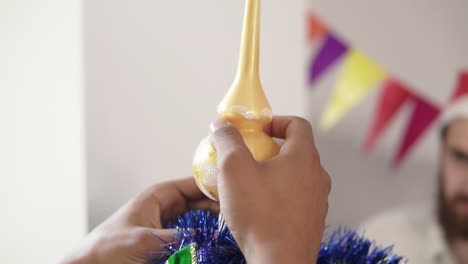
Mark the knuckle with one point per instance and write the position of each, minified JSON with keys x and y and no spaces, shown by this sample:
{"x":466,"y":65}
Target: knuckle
{"x":304,"y":123}
{"x":141,"y":237}
{"x":314,"y":155}
{"x":156,"y":187}
{"x":232,"y":159}
{"x":225,"y":132}
{"x":327,"y":182}
{"x":327,"y":208}
{"x":309,"y":157}
{"x":305,"y":127}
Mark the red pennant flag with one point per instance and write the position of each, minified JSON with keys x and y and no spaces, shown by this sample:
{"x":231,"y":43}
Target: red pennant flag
{"x":424,"y":114}
{"x":393,"y":96}
{"x":462,"y":87}
{"x":315,"y":28}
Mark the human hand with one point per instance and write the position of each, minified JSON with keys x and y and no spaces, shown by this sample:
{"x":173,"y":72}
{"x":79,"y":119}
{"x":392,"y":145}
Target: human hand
{"x":134,"y":230}
{"x":275,"y":209}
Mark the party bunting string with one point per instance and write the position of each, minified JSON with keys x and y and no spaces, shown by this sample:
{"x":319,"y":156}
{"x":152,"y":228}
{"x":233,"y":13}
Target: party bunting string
{"x":358,"y":77}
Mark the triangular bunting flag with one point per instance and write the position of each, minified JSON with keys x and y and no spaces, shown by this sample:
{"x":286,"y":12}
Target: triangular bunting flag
{"x":423,"y":115}
{"x":332,"y":49}
{"x":315,"y":28}
{"x":187,"y":255}
{"x":393,"y":96}
{"x":462,"y":87}
{"x":358,"y":77}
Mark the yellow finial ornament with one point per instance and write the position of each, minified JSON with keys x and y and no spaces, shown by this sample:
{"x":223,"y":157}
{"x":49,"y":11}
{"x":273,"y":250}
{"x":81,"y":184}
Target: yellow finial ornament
{"x":245,"y":106}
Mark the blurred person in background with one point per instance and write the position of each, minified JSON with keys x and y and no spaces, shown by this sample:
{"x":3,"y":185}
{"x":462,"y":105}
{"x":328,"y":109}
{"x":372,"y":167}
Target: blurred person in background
{"x":437,"y":233}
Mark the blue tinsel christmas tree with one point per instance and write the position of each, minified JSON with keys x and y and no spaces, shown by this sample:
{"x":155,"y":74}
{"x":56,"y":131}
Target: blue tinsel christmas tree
{"x":200,"y":228}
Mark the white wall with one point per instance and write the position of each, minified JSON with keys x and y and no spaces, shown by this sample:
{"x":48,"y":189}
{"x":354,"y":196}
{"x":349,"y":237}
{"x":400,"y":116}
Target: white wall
{"x":155,"y":72}
{"x":42,"y":196}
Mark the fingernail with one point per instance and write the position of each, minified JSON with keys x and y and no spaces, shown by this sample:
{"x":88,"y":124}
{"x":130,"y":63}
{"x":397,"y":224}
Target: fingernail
{"x":218,"y":123}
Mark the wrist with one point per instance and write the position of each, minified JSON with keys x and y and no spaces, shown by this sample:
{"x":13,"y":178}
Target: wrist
{"x":272,"y":252}
{"x":279,"y":258}
{"x":78,"y":259}
{"x":81,"y":256}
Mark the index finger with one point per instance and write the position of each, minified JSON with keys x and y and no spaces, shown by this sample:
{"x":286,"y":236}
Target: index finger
{"x":161,"y":202}
{"x":178,"y":196}
{"x":177,"y":193}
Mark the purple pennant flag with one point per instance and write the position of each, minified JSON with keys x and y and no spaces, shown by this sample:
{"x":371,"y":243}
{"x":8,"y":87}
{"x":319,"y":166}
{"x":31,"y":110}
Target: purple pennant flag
{"x":424,"y":114}
{"x":332,"y":49}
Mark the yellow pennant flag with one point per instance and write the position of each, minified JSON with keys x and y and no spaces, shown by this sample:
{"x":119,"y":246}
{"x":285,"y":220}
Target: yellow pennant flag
{"x":358,"y":77}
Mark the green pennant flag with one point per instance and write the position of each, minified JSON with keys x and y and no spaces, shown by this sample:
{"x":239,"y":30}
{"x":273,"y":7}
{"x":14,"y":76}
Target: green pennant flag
{"x":187,"y":255}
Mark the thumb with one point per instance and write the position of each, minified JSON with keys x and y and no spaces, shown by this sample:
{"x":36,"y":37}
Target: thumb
{"x":232,"y":152}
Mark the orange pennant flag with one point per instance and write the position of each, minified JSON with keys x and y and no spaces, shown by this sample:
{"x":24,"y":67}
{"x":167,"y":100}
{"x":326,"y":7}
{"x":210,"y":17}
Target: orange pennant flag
{"x":315,"y":28}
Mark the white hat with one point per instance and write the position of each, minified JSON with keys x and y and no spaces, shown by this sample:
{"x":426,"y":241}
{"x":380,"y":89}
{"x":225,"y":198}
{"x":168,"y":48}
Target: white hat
{"x":456,"y":110}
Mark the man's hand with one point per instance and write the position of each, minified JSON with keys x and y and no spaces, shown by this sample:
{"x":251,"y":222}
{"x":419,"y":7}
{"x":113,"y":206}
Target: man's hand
{"x":275,"y":209}
{"x":132,"y":232}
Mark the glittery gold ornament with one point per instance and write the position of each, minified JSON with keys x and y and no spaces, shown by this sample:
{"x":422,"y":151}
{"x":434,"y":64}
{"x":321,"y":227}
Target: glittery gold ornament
{"x":245,"y":106}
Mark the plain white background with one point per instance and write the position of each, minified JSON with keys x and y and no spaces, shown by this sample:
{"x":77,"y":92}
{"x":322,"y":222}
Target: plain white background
{"x":42,"y":172}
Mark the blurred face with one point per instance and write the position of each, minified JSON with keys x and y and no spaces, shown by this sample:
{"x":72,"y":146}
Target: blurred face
{"x":454,"y":187}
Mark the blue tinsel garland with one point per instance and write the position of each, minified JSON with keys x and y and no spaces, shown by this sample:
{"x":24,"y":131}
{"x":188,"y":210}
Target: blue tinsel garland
{"x":343,"y":246}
